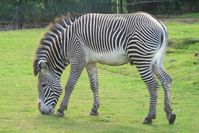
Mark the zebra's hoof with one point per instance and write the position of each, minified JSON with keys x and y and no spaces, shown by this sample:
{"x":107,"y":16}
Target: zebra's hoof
{"x":60,"y":113}
{"x":172,"y":118}
{"x":94,"y":113}
{"x":147,"y":120}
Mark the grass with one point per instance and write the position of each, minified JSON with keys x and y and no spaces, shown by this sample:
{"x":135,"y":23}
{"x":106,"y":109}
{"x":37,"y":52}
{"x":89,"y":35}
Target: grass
{"x":124,"y":97}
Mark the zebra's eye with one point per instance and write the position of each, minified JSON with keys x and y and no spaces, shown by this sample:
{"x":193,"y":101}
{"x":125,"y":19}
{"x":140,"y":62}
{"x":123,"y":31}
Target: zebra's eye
{"x":43,"y":85}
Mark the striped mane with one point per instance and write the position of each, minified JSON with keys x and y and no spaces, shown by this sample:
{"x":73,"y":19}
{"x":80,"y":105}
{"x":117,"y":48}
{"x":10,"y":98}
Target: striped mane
{"x":63,"y":21}
{"x":60,"y":24}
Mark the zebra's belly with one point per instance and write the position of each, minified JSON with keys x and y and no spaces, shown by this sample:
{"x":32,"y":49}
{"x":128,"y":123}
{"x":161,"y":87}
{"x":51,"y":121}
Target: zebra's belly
{"x":114,"y":58}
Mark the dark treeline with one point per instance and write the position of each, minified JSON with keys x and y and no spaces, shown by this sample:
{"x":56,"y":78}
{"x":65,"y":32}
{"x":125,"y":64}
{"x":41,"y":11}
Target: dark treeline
{"x":45,"y":10}
{"x":170,"y":7}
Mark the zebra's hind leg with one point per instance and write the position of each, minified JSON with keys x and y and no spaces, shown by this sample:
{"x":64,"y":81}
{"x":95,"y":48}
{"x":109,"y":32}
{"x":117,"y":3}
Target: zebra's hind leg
{"x":166,"y":81}
{"x":152,"y":88}
{"x":152,"y":84}
{"x":93,"y":78}
{"x":75,"y":72}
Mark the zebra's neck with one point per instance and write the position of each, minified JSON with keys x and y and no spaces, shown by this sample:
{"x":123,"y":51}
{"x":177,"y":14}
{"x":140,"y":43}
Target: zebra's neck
{"x":53,"y":46}
{"x":51,"y":52}
{"x":60,"y":36}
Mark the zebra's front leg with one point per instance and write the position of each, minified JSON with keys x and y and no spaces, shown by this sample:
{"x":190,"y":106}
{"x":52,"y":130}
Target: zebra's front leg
{"x":75,"y":73}
{"x":93,"y":78}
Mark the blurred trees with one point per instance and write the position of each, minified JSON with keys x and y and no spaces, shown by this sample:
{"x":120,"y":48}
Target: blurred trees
{"x":45,"y":10}
{"x":163,"y":6}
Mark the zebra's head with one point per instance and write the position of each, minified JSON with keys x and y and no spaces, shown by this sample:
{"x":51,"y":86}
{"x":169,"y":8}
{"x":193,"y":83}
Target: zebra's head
{"x":49,"y":88}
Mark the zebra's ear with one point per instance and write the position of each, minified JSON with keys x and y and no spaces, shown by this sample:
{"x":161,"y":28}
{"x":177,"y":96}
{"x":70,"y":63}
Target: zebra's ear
{"x":39,"y":66}
{"x":43,"y":66}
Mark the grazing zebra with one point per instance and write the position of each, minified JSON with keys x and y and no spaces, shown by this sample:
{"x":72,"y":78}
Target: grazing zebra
{"x":111,"y":39}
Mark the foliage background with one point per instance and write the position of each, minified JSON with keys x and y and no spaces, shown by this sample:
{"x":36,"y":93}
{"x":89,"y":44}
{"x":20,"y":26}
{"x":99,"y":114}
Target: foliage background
{"x":45,"y":10}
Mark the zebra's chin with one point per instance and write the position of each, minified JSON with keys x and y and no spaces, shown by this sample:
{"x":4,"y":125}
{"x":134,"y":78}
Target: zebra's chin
{"x":44,"y":110}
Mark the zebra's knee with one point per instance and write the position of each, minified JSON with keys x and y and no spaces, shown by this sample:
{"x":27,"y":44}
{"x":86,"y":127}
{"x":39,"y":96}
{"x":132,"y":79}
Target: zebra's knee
{"x":153,"y":85}
{"x":154,"y":95}
{"x":153,"y":91}
{"x":166,"y":76}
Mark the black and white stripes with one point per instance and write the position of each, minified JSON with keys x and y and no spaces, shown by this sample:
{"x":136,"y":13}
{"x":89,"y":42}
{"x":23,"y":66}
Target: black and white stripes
{"x":112,"y":39}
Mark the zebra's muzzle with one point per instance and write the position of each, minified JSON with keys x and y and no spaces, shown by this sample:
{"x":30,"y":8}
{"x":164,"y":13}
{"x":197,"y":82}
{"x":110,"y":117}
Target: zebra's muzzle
{"x":44,"y":110}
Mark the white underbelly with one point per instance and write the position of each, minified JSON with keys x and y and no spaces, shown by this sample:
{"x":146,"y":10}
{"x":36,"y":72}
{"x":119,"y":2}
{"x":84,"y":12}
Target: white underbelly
{"x":114,"y":58}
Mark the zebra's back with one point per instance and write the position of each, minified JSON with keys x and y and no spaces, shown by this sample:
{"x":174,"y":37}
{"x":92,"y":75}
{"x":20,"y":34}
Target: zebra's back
{"x":102,"y":32}
{"x":106,"y":36}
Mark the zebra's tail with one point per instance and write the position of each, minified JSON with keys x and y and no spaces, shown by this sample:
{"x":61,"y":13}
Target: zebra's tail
{"x":159,"y":56}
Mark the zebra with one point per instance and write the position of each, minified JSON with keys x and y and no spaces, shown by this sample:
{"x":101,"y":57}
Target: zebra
{"x":112,"y":39}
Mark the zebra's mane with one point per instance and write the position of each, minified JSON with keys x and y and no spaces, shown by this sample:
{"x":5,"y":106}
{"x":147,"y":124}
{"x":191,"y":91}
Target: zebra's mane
{"x":59,"y":24}
{"x":63,"y":21}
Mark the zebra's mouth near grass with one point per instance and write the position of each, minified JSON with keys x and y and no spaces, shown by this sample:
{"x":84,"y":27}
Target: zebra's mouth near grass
{"x":44,"y":110}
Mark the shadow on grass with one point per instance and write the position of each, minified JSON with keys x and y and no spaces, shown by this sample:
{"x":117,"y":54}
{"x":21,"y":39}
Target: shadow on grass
{"x":88,"y":124}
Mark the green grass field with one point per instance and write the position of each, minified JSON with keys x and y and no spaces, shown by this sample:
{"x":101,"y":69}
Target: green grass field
{"x":124,"y":97}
